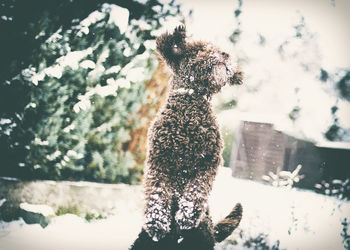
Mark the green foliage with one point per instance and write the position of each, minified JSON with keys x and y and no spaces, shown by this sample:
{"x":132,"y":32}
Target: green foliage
{"x":92,"y":216}
{"x":228,"y":137}
{"x":234,"y":37}
{"x":61,"y":210}
{"x":294,"y":114}
{"x":344,"y":86}
{"x":79,"y":90}
{"x":260,"y":242}
{"x":73,"y":209}
{"x":227,"y":105}
{"x":345,"y":234}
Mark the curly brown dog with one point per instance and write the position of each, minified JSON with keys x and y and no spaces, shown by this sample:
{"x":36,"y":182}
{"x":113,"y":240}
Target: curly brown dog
{"x":185,"y":148}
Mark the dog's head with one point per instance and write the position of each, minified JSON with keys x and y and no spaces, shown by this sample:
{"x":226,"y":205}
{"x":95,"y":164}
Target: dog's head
{"x":199,"y":66}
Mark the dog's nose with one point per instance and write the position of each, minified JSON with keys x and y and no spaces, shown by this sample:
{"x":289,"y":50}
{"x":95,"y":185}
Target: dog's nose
{"x":237,"y":78}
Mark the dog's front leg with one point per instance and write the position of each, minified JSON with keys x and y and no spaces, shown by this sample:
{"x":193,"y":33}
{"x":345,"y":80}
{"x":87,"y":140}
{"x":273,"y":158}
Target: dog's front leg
{"x":193,"y":203}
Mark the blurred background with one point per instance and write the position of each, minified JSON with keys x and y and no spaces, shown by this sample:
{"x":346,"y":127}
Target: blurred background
{"x":80,"y":84}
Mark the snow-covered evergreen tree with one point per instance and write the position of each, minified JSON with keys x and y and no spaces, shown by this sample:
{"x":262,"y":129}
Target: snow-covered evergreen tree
{"x":70,"y":102}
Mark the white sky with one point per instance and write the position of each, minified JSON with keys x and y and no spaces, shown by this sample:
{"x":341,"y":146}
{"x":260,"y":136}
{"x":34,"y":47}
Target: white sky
{"x":213,"y":21}
{"x":275,"y":19}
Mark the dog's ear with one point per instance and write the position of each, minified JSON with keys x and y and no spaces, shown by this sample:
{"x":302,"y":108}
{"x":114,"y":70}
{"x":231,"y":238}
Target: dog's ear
{"x":237,"y":77}
{"x":172,"y":46}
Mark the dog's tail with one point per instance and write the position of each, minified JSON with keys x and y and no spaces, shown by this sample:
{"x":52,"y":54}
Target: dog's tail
{"x":226,"y":226}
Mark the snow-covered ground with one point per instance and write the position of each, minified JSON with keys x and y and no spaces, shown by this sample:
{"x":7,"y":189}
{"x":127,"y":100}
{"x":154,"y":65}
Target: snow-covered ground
{"x":298,"y":219}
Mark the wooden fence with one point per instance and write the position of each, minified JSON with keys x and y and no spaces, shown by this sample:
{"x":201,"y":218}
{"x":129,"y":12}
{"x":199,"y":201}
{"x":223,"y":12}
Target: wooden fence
{"x":259,"y":148}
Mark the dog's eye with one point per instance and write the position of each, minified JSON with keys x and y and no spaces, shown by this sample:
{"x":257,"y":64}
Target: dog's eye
{"x":225,"y":55}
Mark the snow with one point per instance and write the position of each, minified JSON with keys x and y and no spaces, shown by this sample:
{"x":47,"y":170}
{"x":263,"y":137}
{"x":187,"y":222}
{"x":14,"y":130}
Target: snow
{"x":339,"y":145}
{"x":92,"y":18}
{"x":54,"y":155}
{"x":71,"y":60}
{"x":136,"y":74}
{"x":87,"y":64}
{"x":299,"y":219}
{"x":38,"y":141}
{"x":103,"y":91}
{"x":39,"y":209}
{"x":113,"y":69}
{"x":4,"y":121}
{"x":71,"y":232}
{"x":8,"y":178}
{"x":2,"y":201}
{"x":119,"y":16}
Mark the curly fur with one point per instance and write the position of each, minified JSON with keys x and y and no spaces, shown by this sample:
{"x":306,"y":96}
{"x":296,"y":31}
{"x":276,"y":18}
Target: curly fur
{"x":185,"y":148}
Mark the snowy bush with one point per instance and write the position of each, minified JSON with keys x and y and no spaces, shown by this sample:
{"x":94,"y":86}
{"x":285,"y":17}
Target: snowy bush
{"x":337,"y":188}
{"x":284,"y":178}
{"x":81,"y":90}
